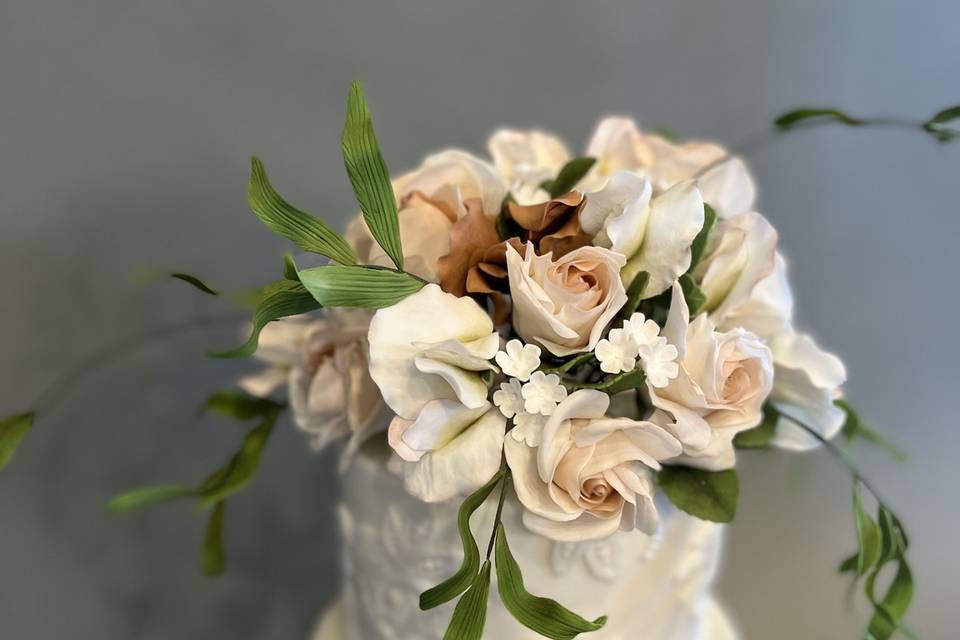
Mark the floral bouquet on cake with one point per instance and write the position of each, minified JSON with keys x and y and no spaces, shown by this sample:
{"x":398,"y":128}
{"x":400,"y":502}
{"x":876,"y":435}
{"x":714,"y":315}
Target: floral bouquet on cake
{"x":581,"y":331}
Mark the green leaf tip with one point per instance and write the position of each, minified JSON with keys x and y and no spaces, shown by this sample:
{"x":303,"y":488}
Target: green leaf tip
{"x":306,"y":231}
{"x":470,"y":614}
{"x":360,"y":287}
{"x":854,"y":428}
{"x":542,"y":615}
{"x":569,"y":175}
{"x":708,"y":495}
{"x":937,"y":125}
{"x":240,"y":406}
{"x":810,"y":115}
{"x":214,"y":557}
{"x":196,"y":282}
{"x":277,"y":300}
{"x":12,"y":431}
{"x":369,"y":177}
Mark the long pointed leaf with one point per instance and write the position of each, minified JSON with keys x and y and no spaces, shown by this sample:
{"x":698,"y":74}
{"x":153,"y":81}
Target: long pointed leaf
{"x":369,"y":176}
{"x":470,"y":614}
{"x":306,"y":231}
{"x":240,"y":469}
{"x":12,"y":431}
{"x":214,"y":558}
{"x":366,"y":287}
{"x":150,"y":495}
{"x":460,"y":581}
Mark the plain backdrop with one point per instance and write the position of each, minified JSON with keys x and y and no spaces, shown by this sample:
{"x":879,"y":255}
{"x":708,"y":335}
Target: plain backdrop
{"x":125,"y":132}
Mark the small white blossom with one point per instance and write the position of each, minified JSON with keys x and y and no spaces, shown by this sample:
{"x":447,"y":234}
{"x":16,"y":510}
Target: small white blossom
{"x":519,"y":360}
{"x":508,"y":398}
{"x":659,"y":362}
{"x":642,"y":331}
{"x":528,"y":427}
{"x":542,"y":393}
{"x":617,"y":352}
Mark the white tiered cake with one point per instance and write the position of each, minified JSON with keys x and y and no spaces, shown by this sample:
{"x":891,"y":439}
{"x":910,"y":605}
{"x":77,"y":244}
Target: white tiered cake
{"x":395,"y":547}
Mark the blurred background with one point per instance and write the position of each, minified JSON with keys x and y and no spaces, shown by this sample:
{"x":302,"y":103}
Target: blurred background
{"x":125,"y":132}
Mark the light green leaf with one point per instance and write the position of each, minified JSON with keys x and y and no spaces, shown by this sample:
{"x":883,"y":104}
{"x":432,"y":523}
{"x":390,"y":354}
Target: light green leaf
{"x":366,"y":287}
{"x":635,"y":294}
{"x":868,"y":534}
{"x":813,"y":115}
{"x":369,"y":176}
{"x":290,"y":268}
{"x":708,"y":495}
{"x":459,"y":581}
{"x":612,"y":385}
{"x":12,"y":431}
{"x":150,"y":495}
{"x":937,"y":125}
{"x":759,"y":437}
{"x":470,"y":614}
{"x":277,"y":300}
{"x":542,"y":615}
{"x":890,"y":611}
{"x":306,"y":231}
{"x":239,"y":470}
{"x":692,"y":294}
{"x":854,"y":427}
{"x":700,"y":242}
{"x":568,"y":177}
{"x":240,"y":406}
{"x":214,"y":558}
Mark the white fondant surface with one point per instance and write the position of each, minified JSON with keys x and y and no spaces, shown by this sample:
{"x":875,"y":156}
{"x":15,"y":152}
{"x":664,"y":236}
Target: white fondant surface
{"x":395,"y":547}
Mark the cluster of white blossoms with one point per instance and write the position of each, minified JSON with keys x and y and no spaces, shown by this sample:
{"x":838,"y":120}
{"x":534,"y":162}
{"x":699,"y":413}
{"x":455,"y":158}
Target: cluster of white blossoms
{"x":516,"y":346}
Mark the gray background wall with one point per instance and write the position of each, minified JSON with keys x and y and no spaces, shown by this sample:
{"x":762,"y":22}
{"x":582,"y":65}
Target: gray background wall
{"x":125,"y":128}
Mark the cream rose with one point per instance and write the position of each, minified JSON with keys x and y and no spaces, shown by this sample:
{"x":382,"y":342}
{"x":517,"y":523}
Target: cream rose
{"x":591,"y":475}
{"x":723,"y":382}
{"x":654,"y":234}
{"x":525,"y":159}
{"x":430,"y":199}
{"x":325,"y":364}
{"x":427,"y":355}
{"x":565,"y":304}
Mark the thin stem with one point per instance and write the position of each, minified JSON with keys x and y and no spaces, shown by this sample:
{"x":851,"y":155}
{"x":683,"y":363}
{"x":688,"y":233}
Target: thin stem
{"x":503,"y":495}
{"x":61,"y":386}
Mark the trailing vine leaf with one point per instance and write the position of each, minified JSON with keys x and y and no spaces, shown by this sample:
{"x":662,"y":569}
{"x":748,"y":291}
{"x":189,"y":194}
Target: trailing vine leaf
{"x":699,"y":244}
{"x":239,"y":470}
{"x":937,"y":125}
{"x":868,"y":534}
{"x":196,"y":282}
{"x":568,"y":176}
{"x":369,"y":176}
{"x":150,"y":495}
{"x":854,"y":427}
{"x":708,"y":495}
{"x":796,"y":117}
{"x":307,"y":232}
{"x":759,"y":437}
{"x":470,"y":614}
{"x":366,"y":287}
{"x":542,"y":615}
{"x":214,"y":558}
{"x":277,"y":300}
{"x":12,"y":431}
{"x":635,"y":294}
{"x":240,"y":406}
{"x":460,"y":581}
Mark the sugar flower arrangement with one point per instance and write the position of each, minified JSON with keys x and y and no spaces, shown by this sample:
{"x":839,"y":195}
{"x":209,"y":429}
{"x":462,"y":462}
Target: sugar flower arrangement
{"x":583,"y":332}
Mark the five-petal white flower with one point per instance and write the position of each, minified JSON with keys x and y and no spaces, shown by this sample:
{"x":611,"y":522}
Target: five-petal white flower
{"x":642,"y":331}
{"x":528,"y":428}
{"x":508,"y":398}
{"x":660,"y":362}
{"x":542,"y":393}
{"x":617,"y":352}
{"x":519,"y":360}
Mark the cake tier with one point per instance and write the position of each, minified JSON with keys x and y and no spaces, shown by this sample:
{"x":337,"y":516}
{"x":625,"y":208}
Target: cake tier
{"x":395,"y":547}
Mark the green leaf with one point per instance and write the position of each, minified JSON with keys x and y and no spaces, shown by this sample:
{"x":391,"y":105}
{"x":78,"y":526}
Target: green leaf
{"x":759,"y":437}
{"x":369,"y":176}
{"x":937,"y":125}
{"x":460,"y":581}
{"x":214,"y":559}
{"x":470,"y":613}
{"x":635,"y":294}
{"x":150,"y":495}
{"x":195,"y":281}
{"x":278,"y":300}
{"x":612,"y":385}
{"x":240,"y":406}
{"x":507,"y":227}
{"x":692,"y":294}
{"x":542,"y":615}
{"x":290,"y":268}
{"x":868,"y":534}
{"x":240,"y":469}
{"x":568,"y":177}
{"x":814,"y":115}
{"x":572,"y":363}
{"x":12,"y":431}
{"x":307,"y":232}
{"x":850,"y":564}
{"x":854,"y":427}
{"x":700,"y":242}
{"x":708,"y":495}
{"x":890,"y":611}
{"x":367,"y":287}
